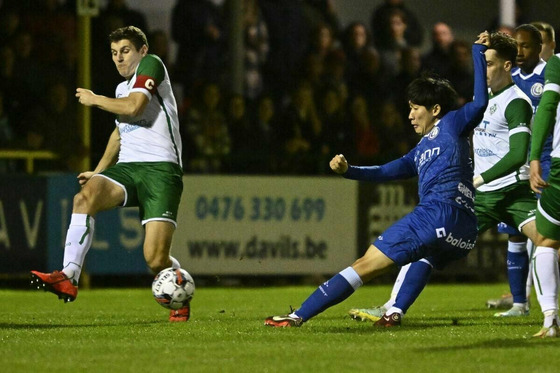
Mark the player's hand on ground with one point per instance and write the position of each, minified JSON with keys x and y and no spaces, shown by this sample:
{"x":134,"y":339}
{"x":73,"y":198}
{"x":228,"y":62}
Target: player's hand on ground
{"x":536,"y":180}
{"x":85,"y":96}
{"x":483,"y":38}
{"x":339,"y":164}
{"x":84,"y":177}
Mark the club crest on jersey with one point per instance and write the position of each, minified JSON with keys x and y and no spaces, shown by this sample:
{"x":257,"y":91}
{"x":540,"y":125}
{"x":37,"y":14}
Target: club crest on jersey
{"x":493,"y":109}
{"x":433,"y":133}
{"x":537,"y":89}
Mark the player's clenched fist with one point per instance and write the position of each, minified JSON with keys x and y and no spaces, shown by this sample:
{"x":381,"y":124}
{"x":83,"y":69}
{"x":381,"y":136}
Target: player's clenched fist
{"x":339,"y":164}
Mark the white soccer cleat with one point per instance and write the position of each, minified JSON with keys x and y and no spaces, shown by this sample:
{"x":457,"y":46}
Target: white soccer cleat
{"x":515,"y":311}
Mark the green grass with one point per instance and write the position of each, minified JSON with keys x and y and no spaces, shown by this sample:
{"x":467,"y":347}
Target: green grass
{"x":124,"y":330}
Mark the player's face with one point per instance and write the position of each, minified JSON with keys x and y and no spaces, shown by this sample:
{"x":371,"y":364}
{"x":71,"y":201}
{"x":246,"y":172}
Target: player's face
{"x":422,"y":118}
{"x":497,"y":71}
{"x":126,"y":57}
{"x":528,"y":51}
{"x":548,"y":46}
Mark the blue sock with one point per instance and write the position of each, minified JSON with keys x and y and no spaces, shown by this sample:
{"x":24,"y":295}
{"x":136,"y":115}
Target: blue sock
{"x":331,"y":292}
{"x":414,"y":282}
{"x":518,"y":270}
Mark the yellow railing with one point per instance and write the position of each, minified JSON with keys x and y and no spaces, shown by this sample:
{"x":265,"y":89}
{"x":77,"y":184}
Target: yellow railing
{"x":28,"y":155}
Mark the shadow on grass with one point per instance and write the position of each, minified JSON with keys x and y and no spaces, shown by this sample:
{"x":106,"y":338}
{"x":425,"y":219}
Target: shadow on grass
{"x":14,"y":326}
{"x":496,"y":343}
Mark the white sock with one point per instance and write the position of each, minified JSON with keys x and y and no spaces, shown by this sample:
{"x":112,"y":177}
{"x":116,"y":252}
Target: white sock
{"x":174,"y":263}
{"x":545,"y":276}
{"x":549,"y":317}
{"x":392,"y":310}
{"x":397,"y":286}
{"x":78,"y":241}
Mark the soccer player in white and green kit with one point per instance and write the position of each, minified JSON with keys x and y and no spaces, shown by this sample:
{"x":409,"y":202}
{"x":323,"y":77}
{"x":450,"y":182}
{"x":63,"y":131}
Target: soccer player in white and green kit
{"x":545,"y":258}
{"x":141,"y":165}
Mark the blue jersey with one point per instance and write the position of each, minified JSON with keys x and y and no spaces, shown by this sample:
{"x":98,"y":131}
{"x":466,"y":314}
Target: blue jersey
{"x":532,"y":85}
{"x":441,"y":159}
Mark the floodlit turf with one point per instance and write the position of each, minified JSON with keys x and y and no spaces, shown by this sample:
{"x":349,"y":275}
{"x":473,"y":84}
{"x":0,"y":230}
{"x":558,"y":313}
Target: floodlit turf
{"x":124,"y":330}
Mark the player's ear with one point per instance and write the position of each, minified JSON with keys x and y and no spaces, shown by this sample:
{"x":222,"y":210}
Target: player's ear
{"x":436,"y":109}
{"x":508,"y":65}
{"x":144,"y":50}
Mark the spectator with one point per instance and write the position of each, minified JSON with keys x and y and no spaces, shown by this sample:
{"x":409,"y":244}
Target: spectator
{"x":337,"y":134}
{"x":300,"y":133}
{"x":438,"y":59}
{"x":461,"y":70}
{"x":390,"y":51}
{"x":367,"y":139}
{"x":256,"y":49}
{"x":130,"y":17}
{"x":7,"y":136}
{"x":287,"y":45}
{"x":321,"y":12}
{"x":197,"y":27}
{"x":159,"y":45}
{"x":206,"y":135}
{"x":380,"y":25}
{"x":266,"y":129}
{"x":410,"y":69}
{"x":240,"y":129}
{"x":52,"y":126}
{"x":9,"y":24}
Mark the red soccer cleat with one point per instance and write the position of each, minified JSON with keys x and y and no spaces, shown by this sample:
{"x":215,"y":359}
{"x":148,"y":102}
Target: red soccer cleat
{"x":388,"y":321}
{"x":182,"y":314}
{"x":57,"y":283}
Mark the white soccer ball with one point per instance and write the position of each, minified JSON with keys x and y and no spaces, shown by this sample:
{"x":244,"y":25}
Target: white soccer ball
{"x":173,"y":288}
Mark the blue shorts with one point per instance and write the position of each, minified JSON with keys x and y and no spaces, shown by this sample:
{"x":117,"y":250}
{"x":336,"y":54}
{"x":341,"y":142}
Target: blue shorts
{"x":438,"y":232}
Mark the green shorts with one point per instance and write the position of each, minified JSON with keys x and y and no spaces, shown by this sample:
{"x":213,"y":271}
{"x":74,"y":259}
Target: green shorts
{"x":548,"y":213}
{"x":514,"y":205}
{"x":155,"y":187}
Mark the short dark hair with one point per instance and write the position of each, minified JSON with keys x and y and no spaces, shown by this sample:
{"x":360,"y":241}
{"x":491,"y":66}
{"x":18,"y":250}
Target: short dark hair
{"x":430,"y":90}
{"x":532,"y":30}
{"x":504,"y":45}
{"x":132,"y":33}
{"x":546,"y":28}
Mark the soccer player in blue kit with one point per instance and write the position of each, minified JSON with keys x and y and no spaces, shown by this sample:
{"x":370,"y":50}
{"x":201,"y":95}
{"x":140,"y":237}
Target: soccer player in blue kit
{"x":443,"y":227}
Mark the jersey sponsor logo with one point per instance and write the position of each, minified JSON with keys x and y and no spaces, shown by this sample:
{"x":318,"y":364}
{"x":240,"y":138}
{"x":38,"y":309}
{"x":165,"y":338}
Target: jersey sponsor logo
{"x":458,"y":242}
{"x":433,"y":133}
{"x":427,"y":155}
{"x":440,"y":232}
{"x":465,"y":191}
{"x":537,"y":89}
{"x":484,"y":152}
{"x":149,"y":84}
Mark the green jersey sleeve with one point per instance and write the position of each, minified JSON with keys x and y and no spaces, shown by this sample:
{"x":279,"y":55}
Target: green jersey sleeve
{"x":150,"y":73}
{"x":518,"y":114}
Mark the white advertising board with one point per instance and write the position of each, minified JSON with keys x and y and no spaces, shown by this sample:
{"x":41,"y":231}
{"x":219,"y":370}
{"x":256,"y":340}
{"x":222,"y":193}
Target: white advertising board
{"x":266,"y":225}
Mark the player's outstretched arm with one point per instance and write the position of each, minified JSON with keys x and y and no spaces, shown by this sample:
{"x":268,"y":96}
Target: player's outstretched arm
{"x":132,"y":105}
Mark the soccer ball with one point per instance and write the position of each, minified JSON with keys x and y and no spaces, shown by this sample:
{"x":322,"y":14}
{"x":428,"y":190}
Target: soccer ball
{"x":173,"y":288}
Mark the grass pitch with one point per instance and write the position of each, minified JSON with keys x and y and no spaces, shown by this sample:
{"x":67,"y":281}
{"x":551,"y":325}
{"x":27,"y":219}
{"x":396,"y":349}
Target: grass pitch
{"x":124,"y":330}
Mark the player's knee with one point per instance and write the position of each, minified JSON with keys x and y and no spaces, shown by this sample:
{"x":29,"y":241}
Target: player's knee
{"x":82,"y":200}
{"x":157,"y":262}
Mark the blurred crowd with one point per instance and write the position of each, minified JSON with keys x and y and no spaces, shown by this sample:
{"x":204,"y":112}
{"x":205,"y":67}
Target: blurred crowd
{"x":311,"y":87}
